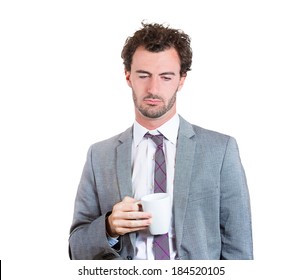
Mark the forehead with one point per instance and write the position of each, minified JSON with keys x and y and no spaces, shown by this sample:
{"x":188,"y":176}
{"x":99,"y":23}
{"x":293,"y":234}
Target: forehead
{"x":166,"y":60}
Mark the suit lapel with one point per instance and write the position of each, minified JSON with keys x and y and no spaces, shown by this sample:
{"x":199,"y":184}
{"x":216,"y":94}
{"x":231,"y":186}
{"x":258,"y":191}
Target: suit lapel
{"x":124,"y":164}
{"x":183,"y":169}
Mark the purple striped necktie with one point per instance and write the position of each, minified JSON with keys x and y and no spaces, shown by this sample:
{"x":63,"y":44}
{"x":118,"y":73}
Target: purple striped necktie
{"x":160,"y":242}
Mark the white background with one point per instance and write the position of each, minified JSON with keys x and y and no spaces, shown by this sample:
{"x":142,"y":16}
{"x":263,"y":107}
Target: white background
{"x":62,"y":88}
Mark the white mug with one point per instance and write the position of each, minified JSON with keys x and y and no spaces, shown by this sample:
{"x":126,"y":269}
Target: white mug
{"x":159,"y":205}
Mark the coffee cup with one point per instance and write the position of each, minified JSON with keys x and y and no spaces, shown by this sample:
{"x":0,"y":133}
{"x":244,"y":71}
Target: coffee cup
{"x":159,"y":205}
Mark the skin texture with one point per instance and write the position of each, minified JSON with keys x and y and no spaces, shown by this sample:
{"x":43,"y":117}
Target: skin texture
{"x":155,"y":80}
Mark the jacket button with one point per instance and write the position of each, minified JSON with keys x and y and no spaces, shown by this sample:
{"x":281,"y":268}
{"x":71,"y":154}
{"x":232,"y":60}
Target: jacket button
{"x":129,"y":258}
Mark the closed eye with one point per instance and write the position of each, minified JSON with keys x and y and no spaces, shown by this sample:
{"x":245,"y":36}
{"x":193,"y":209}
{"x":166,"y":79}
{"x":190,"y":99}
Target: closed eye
{"x":167,"y":76}
{"x":143,"y":76}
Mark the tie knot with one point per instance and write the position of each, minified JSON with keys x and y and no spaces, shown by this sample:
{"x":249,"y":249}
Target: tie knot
{"x":158,"y":139}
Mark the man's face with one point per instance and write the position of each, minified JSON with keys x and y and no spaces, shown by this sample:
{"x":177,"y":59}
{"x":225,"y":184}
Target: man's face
{"x":155,"y":80}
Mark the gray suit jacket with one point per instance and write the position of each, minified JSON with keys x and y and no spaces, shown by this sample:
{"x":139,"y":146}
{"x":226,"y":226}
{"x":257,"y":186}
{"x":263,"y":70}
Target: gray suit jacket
{"x":211,"y":207}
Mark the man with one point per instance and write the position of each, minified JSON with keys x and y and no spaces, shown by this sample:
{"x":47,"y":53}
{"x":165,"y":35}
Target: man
{"x":203,"y":173}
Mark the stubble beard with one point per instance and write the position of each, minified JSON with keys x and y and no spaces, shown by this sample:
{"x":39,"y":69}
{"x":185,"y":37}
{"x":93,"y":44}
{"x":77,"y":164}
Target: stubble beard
{"x":154,"y":112}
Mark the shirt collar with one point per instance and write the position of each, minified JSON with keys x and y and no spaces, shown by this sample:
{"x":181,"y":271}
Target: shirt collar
{"x":169,"y":129}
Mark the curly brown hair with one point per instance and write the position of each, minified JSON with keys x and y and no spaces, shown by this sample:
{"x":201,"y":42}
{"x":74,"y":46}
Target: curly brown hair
{"x":156,"y":38}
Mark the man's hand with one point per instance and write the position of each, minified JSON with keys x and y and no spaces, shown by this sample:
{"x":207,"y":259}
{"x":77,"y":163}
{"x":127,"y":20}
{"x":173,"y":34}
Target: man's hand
{"x":126,"y":217}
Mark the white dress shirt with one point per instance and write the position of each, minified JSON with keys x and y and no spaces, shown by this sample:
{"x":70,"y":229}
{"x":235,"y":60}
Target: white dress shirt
{"x":143,"y":163}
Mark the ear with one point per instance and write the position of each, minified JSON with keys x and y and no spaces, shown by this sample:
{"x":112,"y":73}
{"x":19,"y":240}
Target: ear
{"x":127,"y":75}
{"x":181,"y":82}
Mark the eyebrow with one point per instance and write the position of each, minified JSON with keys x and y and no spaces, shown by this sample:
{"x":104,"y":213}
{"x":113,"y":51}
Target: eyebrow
{"x":161,"y":74}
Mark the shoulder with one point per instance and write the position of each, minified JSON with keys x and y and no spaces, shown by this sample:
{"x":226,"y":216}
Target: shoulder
{"x":202,"y":134}
{"x":113,"y":142}
{"x":214,"y":142}
{"x":209,"y":140}
{"x":209,"y":135}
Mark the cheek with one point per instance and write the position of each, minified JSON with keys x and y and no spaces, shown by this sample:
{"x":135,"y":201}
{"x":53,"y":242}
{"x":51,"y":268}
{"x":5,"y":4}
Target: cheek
{"x":170,"y":89}
{"x":139,"y":86}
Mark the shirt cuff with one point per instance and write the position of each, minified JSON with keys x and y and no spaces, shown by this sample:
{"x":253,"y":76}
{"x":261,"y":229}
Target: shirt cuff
{"x":112,"y":240}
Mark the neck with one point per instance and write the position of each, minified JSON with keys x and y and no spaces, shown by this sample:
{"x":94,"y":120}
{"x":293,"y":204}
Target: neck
{"x":152,"y":124}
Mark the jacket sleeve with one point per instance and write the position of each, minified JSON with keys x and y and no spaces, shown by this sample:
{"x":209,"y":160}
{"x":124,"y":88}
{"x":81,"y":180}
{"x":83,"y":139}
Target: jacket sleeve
{"x":88,"y":232}
{"x":235,"y":213}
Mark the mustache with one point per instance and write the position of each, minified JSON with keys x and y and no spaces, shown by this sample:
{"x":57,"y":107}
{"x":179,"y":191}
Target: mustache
{"x":153,"y":96}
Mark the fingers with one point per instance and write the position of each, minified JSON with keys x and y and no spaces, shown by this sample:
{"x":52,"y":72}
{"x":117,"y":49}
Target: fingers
{"x":121,"y":227}
{"x":128,"y":204}
{"x":127,"y":217}
{"x":129,"y":199}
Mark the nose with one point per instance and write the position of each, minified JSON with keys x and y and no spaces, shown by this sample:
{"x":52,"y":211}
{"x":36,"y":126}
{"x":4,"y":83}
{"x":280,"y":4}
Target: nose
{"x":153,"y":86}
